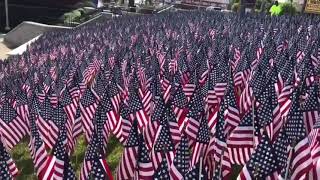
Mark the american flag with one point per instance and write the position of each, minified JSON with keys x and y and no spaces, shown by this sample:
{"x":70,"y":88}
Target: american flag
{"x":8,"y":168}
{"x":58,"y":119}
{"x":310,"y":107}
{"x":151,"y":129}
{"x":194,"y":115}
{"x":144,"y":168}
{"x":128,"y":161}
{"x":242,"y":70}
{"x":13,"y":127}
{"x":77,"y":127}
{"x":221,"y":154}
{"x":240,"y":141}
{"x":43,"y":122}
{"x":92,"y":159}
{"x":115,"y":96}
{"x":70,"y":106}
{"x":268,"y":113}
{"x":196,"y":173}
{"x":137,"y":110}
{"x":163,"y":146}
{"x":190,"y":87}
{"x":173,"y":125}
{"x":36,"y":145}
{"x":265,"y":153}
{"x":301,"y":162}
{"x":126,"y":123}
{"x":90,"y":72}
{"x":166,"y":85}
{"x":57,"y":158}
{"x":88,"y":107}
{"x":315,"y":149}
{"x":231,"y":113}
{"x":68,"y":172}
{"x":180,"y":107}
{"x":162,"y":172}
{"x":22,"y":106}
{"x":201,"y":144}
{"x":222,"y":79}
{"x":112,"y":117}
{"x":180,"y":165}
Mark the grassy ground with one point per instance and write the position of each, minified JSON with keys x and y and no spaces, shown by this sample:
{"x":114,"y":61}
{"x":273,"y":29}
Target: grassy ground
{"x":23,"y":160}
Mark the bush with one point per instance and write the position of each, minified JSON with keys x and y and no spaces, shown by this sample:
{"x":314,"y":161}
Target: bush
{"x":288,"y":8}
{"x":263,"y":5}
{"x":235,"y":7}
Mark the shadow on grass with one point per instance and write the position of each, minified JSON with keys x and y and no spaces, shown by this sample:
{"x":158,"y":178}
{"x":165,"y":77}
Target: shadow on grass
{"x":21,"y":155}
{"x":22,"y":158}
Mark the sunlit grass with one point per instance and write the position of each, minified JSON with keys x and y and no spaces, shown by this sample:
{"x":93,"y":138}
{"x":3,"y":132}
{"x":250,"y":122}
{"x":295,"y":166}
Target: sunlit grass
{"x":21,"y":156}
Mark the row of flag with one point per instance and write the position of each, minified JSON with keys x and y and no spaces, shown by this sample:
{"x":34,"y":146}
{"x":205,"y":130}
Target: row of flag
{"x":188,"y":95}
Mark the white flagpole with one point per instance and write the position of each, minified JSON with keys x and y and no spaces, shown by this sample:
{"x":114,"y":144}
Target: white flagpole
{"x":200,"y":168}
{"x":221,"y":159}
{"x":7,"y":28}
{"x":289,"y":160}
{"x":253,"y":103}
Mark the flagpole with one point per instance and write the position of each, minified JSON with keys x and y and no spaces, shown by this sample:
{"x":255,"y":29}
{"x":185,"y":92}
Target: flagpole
{"x":253,"y":124}
{"x":221,"y":159}
{"x":7,"y":28}
{"x":200,"y":168}
{"x":289,"y":159}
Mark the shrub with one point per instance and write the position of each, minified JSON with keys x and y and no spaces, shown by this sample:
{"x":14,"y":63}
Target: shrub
{"x":263,"y":5}
{"x":235,"y":7}
{"x":288,"y":8}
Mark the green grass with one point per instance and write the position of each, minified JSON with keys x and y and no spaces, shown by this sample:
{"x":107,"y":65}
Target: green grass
{"x":21,"y":155}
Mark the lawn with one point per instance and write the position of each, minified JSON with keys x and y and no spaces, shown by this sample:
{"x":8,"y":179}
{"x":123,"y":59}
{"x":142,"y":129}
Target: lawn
{"x":23,"y":160}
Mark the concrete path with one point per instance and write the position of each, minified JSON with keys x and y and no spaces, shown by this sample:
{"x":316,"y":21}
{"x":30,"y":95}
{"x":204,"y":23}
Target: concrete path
{"x":3,"y":49}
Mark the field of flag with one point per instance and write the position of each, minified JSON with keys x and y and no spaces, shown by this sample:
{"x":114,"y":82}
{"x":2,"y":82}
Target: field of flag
{"x":188,"y":95}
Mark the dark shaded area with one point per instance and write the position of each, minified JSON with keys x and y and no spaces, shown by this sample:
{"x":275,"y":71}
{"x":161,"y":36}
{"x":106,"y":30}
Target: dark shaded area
{"x":48,"y":3}
{"x":41,"y":12}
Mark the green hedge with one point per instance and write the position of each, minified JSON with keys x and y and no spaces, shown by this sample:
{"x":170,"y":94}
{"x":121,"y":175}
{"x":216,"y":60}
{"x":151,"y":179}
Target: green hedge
{"x":288,"y":8}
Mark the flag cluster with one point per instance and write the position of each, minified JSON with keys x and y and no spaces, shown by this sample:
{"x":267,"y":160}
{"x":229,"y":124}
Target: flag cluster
{"x":188,"y":95}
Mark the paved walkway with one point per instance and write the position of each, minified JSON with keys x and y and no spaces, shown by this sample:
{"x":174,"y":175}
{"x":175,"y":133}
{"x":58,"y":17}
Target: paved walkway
{"x":3,"y":50}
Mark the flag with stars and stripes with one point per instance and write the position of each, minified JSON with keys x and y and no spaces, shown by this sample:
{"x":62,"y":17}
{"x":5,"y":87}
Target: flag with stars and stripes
{"x":301,"y":161}
{"x":70,"y":107}
{"x":196,"y":172}
{"x":12,"y":127}
{"x":128,"y":162}
{"x":88,"y":106}
{"x":221,"y":154}
{"x":36,"y":145}
{"x":8,"y":168}
{"x":231,"y":113}
{"x":310,"y":107}
{"x":201,"y":144}
{"x":94,"y":164}
{"x":137,"y":110}
{"x":240,"y":142}
{"x":265,"y":153}
{"x":181,"y":161}
{"x":163,"y":147}
{"x":144,"y":168}
{"x":180,"y":107}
